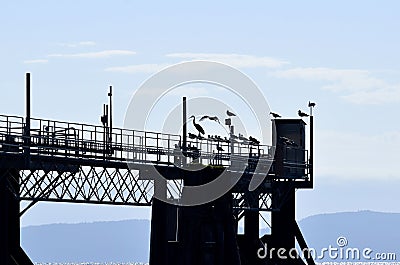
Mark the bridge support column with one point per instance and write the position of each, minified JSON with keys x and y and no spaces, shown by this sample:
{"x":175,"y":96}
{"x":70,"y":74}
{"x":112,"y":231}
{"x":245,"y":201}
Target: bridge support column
{"x":250,"y":242}
{"x":194,"y":235}
{"x":283,"y":231}
{"x":11,"y":252}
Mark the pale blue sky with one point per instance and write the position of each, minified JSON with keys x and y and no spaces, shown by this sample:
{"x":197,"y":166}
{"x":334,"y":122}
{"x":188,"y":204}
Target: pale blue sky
{"x":342,"y":54}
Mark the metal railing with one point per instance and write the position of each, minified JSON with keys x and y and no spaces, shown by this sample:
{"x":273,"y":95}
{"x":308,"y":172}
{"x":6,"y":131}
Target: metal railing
{"x":78,"y":140}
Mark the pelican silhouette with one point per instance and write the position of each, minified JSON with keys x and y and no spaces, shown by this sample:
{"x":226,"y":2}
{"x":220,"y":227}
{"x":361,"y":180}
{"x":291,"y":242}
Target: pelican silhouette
{"x":311,"y":104}
{"x":197,"y":126}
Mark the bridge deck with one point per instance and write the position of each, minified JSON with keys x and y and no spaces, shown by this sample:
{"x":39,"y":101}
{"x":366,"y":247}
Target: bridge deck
{"x":48,"y":138}
{"x":64,"y":161}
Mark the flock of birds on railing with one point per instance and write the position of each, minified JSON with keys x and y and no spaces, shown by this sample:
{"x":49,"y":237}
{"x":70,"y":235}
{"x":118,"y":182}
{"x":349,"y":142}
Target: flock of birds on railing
{"x":240,"y":138}
{"x":216,"y":138}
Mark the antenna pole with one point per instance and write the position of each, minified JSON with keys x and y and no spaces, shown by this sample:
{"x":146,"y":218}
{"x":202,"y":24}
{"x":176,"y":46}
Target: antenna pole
{"x":28,"y":115}
{"x":312,"y":151}
{"x":111,"y":116}
{"x":184,"y":131}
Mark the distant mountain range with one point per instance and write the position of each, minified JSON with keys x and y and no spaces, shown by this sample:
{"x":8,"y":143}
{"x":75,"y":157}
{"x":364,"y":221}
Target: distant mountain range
{"x":127,"y":241}
{"x":117,"y":241}
{"x":364,"y":229}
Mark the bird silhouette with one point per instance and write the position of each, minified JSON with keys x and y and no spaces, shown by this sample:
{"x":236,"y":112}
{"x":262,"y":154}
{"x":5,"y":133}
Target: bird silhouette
{"x":275,"y":115}
{"x":230,"y":113}
{"x":311,"y":104}
{"x":220,"y":149}
{"x":104,"y":120}
{"x":287,"y":141}
{"x":217,"y":138}
{"x":192,"y":136}
{"x":302,"y":114}
{"x":211,"y":118}
{"x":242,"y":138}
{"x":254,"y":140}
{"x":197,"y":126}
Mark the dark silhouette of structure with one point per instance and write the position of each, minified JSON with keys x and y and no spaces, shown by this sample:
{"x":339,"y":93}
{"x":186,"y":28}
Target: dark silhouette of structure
{"x":46,"y":160}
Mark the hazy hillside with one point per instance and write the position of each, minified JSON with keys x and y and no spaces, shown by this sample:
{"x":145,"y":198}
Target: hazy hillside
{"x":365,"y":229}
{"x":120,"y":241}
{"x":124,"y":241}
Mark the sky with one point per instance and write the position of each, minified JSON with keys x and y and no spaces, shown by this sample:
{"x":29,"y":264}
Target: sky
{"x":341,"y":54}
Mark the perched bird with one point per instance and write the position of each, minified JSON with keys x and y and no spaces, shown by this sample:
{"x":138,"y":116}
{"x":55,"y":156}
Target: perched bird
{"x":242,"y":138}
{"x":288,"y":141}
{"x":254,"y":140}
{"x":302,"y":114}
{"x":192,"y":136}
{"x":197,"y":126}
{"x":200,"y":137}
{"x":230,"y":113}
{"x":275,"y":115}
{"x":104,"y":120}
{"x":211,"y":118}
{"x":311,"y":104}
{"x":220,"y":149}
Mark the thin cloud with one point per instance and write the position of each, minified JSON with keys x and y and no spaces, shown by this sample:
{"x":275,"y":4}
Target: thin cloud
{"x":357,"y":86}
{"x":387,"y":94}
{"x":87,"y":43}
{"x":36,"y":61}
{"x":235,"y":60}
{"x":78,"y":44}
{"x":339,"y":147}
{"x":138,"y":68}
{"x":94,"y":55}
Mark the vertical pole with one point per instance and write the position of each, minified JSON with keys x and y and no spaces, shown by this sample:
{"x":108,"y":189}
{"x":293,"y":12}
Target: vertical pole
{"x":311,"y":151}
{"x":27,"y":131}
{"x":28,"y":99}
{"x":111,"y":115}
{"x":106,"y":135}
{"x":184,"y":131}
{"x":231,"y":133}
